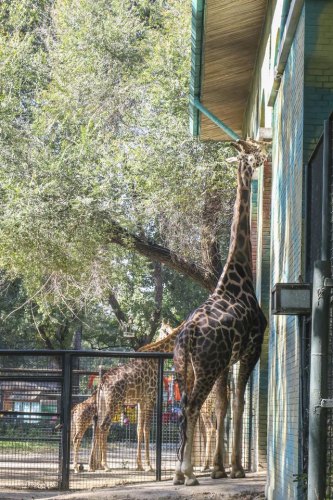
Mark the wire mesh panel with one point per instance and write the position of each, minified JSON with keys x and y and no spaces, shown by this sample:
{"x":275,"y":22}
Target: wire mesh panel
{"x":30,"y":439}
{"x":52,"y":405}
{"x":171,"y":411}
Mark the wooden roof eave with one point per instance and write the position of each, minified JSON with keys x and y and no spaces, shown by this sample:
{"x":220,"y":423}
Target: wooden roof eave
{"x":222,"y":66}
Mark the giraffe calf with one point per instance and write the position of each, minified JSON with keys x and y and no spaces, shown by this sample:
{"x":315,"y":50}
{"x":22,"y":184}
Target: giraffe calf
{"x":82,"y":417}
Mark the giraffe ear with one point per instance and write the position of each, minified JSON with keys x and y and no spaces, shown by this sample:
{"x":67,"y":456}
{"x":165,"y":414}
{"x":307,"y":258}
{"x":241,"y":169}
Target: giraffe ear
{"x":237,"y":145}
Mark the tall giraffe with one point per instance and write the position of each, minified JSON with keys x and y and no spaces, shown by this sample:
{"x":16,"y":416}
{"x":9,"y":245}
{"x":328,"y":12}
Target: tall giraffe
{"x":132,"y":383}
{"x":227,"y":328}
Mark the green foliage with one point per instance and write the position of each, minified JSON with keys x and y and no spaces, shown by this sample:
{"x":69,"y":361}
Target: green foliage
{"x":94,"y":131}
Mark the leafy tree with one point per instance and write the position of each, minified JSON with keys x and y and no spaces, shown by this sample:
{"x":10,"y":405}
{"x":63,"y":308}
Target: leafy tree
{"x":99,"y":170}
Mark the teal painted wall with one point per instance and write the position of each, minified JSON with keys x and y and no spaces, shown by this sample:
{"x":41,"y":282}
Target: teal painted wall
{"x":286,"y":262}
{"x":263,"y":294}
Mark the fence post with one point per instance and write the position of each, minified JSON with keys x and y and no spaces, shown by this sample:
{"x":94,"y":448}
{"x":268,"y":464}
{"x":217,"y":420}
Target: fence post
{"x":159,"y":411}
{"x":66,"y":419}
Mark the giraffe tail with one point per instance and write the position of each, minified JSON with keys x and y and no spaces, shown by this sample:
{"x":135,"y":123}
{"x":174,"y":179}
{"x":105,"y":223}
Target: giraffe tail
{"x":182,"y":427}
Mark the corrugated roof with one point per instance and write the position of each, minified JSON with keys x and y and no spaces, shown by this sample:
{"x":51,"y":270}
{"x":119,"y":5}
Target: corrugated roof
{"x":231,"y":32}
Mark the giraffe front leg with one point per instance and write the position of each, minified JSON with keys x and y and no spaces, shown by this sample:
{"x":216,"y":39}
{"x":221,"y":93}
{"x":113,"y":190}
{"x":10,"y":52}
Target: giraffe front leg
{"x":237,"y":470}
{"x":146,"y":430}
{"x":221,"y":411}
{"x":245,"y":369}
{"x":76,"y":445}
{"x":104,"y":448}
{"x":178,"y":477}
{"x":208,"y":438}
{"x":139,"y":432}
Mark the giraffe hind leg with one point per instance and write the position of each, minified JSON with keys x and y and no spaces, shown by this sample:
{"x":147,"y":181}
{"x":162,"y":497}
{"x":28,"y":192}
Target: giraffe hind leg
{"x":191,"y":413}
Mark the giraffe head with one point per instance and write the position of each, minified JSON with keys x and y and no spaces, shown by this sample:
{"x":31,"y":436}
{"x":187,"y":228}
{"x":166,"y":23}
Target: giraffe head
{"x":251,"y":155}
{"x":164,"y":330}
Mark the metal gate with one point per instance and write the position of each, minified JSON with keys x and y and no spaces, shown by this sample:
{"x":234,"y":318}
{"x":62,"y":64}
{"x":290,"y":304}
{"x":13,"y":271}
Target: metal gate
{"x":38,"y":389}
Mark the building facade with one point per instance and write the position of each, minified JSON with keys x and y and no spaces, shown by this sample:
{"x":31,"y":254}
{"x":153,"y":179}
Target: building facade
{"x":285,"y":94}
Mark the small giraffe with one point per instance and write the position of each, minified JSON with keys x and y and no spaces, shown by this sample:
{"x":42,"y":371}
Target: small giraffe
{"x":229,"y":327}
{"x":82,"y":417}
{"x":133,"y":383}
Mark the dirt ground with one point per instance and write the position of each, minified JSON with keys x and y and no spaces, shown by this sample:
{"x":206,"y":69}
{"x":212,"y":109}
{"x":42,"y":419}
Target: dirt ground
{"x":250,"y":488}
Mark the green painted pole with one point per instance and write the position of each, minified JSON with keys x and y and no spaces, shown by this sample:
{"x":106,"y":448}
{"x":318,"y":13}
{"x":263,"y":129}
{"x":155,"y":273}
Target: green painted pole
{"x":198,"y":15}
{"x":217,"y":121}
{"x":318,"y":382}
{"x":319,"y":345}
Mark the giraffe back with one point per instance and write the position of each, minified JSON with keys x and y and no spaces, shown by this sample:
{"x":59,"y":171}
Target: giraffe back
{"x":166,"y":344}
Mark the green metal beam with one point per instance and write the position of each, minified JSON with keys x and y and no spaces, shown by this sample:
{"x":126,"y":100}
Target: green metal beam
{"x":198,"y":7}
{"x":233,"y":135}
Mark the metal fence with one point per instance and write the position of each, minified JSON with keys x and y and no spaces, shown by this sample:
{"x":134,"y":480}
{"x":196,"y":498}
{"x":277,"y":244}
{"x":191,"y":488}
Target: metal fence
{"x":38,"y":389}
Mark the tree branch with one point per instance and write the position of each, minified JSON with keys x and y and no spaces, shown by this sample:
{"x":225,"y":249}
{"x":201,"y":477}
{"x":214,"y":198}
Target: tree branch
{"x":158,"y":253}
{"x":155,"y":318}
{"x":158,"y":298}
{"x":210,"y":249}
{"x":119,"y":313}
{"x":43,"y":335}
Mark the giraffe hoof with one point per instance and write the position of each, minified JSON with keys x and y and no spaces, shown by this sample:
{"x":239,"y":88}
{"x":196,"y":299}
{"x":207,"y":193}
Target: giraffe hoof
{"x":178,"y":480}
{"x":205,"y":469}
{"x":149,"y":469}
{"x":218,"y":474}
{"x":139,"y":468}
{"x":237,"y":474}
{"x":191,"y":481}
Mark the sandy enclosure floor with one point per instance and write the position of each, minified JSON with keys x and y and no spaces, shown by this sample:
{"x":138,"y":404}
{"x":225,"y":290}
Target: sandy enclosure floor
{"x":251,"y":487}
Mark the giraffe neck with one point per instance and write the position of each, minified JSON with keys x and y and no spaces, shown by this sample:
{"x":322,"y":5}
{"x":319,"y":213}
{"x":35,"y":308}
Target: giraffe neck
{"x":240,"y":250}
{"x":165,"y":345}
